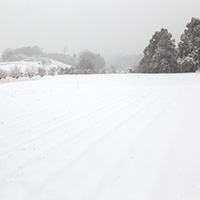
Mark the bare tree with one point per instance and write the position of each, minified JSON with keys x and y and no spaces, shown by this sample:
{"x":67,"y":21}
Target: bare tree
{"x":52,"y":71}
{"x":3,"y":74}
{"x":30,"y":71}
{"x":15,"y":72}
{"x":41,"y":71}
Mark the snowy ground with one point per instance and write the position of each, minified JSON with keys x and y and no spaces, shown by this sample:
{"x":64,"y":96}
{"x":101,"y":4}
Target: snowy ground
{"x":23,"y":65}
{"x":101,"y":137}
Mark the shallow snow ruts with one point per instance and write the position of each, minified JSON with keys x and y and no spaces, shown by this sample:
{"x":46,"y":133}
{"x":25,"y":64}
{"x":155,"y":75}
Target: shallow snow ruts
{"x":115,"y":137}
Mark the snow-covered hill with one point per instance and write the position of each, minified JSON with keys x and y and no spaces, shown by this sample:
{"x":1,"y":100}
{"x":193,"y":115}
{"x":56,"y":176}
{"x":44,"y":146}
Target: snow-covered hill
{"x":102,"y":137}
{"x":47,"y":64}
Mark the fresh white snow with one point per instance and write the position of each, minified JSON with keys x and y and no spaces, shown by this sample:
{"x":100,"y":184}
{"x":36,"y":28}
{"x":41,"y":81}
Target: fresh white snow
{"x":101,"y":137}
{"x":35,"y":64}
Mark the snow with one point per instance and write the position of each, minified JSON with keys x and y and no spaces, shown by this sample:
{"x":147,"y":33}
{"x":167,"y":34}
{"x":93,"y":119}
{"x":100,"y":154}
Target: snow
{"x":36,"y":64}
{"x":102,"y":137}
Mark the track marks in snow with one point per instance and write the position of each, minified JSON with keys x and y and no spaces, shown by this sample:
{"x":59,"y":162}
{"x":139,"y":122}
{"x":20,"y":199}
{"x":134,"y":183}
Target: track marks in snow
{"x":62,"y":120}
{"x":95,"y":144}
{"x":57,"y":136}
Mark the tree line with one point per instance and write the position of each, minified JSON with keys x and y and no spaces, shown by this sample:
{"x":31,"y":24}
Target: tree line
{"x":30,"y":71}
{"x":162,"y":56}
{"x":86,"y":62}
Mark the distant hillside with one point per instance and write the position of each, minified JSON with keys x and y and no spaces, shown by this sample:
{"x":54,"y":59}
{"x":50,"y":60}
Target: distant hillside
{"x":35,"y":53}
{"x":122,"y":63}
{"x":36,"y":63}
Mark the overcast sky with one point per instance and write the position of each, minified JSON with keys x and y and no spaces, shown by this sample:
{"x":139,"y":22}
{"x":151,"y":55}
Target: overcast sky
{"x":103,"y":26}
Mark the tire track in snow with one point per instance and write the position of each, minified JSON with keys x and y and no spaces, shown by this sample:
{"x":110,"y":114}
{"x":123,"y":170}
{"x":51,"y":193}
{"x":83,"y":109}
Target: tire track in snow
{"x":83,"y":118}
{"x":94,"y":144}
{"x":62,"y":124}
{"x":43,"y":112}
{"x":52,"y":149}
{"x":82,"y":109}
{"x":83,"y":153}
{"x":116,"y":177}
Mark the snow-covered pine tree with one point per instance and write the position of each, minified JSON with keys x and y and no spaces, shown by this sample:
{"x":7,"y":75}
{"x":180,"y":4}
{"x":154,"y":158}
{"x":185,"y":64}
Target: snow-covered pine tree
{"x":160,"y":54}
{"x":149,"y":52}
{"x":164,"y":59}
{"x":189,"y":47}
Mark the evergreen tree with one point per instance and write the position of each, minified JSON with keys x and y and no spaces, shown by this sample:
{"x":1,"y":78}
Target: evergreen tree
{"x":90,"y":62}
{"x":164,"y":59}
{"x":189,"y":47}
{"x":86,"y":66}
{"x":160,"y":54}
{"x":149,"y":52}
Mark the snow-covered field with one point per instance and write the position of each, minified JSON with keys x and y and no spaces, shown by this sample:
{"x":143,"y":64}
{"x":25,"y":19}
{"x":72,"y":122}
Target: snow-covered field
{"x":101,"y":137}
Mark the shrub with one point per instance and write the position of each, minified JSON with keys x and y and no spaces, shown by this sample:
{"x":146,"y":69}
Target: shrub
{"x":41,"y":71}
{"x":15,"y":72}
{"x":3,"y":74}
{"x":30,"y":71}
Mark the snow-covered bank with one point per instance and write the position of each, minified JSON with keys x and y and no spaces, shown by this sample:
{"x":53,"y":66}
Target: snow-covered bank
{"x":101,"y":137}
{"x":28,"y":64}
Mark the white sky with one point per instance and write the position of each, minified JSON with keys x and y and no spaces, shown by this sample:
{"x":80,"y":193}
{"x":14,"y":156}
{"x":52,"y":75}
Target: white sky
{"x":102,"y":26}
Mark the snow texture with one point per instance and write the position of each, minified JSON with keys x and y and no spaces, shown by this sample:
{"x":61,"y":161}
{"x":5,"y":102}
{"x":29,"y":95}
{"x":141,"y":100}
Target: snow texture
{"x":24,"y":64}
{"x":101,"y":137}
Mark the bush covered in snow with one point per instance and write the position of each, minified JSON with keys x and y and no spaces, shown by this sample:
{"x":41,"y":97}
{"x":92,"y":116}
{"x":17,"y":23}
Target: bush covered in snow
{"x":15,"y":72}
{"x":30,"y":71}
{"x":3,"y":74}
{"x":41,"y":71}
{"x":52,"y":71}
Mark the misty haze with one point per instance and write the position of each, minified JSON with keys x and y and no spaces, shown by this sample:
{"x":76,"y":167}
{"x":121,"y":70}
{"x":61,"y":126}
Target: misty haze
{"x":99,"y":100}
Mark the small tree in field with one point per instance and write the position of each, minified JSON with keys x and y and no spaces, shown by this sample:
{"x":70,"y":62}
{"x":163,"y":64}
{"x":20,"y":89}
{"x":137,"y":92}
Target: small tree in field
{"x":3,"y":74}
{"x":41,"y":71}
{"x":86,"y":66}
{"x":15,"y":72}
{"x":30,"y":71}
{"x":89,"y":62}
{"x":52,"y":71}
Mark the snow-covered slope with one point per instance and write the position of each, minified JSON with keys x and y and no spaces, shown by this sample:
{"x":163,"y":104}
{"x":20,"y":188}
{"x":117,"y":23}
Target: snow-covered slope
{"x":102,"y":137}
{"x":24,"y":64}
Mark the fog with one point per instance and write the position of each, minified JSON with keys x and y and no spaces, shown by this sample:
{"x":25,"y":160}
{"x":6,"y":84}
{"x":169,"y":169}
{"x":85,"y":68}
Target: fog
{"x":103,"y":26}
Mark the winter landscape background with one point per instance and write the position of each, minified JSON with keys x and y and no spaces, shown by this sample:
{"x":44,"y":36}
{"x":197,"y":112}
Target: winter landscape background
{"x":99,"y":100}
